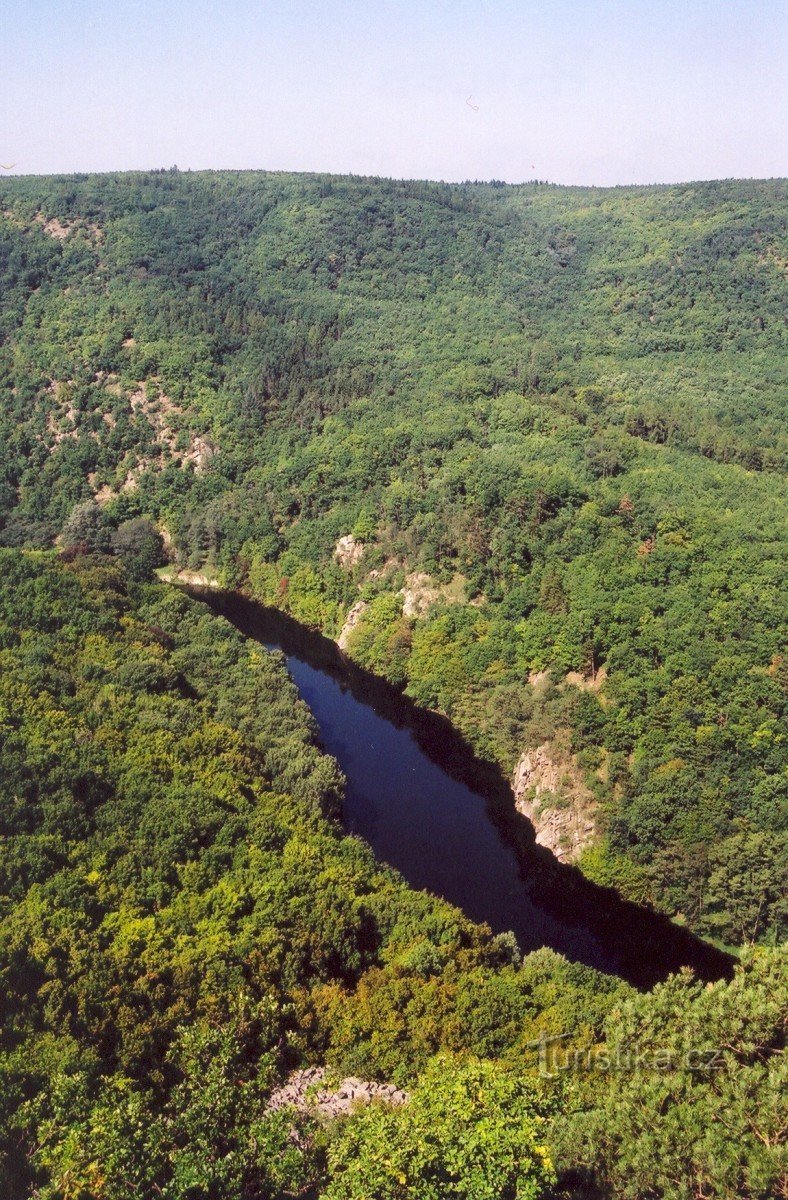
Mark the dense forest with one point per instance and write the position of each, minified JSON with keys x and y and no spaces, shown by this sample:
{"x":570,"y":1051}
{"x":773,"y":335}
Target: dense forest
{"x":182,"y":923}
{"x":523,"y":449}
{"x":553,"y":417}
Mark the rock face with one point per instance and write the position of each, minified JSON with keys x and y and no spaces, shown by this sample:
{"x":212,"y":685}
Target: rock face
{"x":190,"y":579}
{"x":584,"y":683}
{"x":418,"y":594}
{"x":348,"y":551}
{"x":305,"y":1091}
{"x":351,"y":621}
{"x":550,"y":792}
{"x":421,"y":591}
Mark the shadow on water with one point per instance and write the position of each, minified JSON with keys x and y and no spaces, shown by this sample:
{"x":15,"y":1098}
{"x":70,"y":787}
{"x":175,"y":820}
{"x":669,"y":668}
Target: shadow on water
{"x":447,"y":821}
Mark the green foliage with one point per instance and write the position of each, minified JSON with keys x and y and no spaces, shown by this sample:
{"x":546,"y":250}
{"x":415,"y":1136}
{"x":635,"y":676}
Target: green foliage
{"x":694,"y":1105}
{"x":383,"y":640}
{"x":182,"y":922}
{"x":181,"y":919}
{"x":470,"y":1130}
{"x":563,"y":405}
{"x":212,"y":1138}
{"x":140,"y":544}
{"x":555,"y":417}
{"x":87,"y":527}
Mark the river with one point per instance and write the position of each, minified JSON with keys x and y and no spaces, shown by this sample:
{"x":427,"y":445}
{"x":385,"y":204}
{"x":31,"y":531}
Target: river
{"x":419,"y":796}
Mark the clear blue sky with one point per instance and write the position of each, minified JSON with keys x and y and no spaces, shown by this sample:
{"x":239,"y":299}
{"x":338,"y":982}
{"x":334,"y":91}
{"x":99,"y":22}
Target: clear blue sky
{"x":575,"y":91}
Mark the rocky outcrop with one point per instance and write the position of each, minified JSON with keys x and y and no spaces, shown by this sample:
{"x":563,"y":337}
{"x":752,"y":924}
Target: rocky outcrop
{"x":549,"y":790}
{"x":348,"y":551}
{"x":55,"y":228}
{"x":306,"y":1091}
{"x":421,"y":591}
{"x":417,"y":594}
{"x":351,"y":621}
{"x":190,"y":579}
{"x":586,"y":683}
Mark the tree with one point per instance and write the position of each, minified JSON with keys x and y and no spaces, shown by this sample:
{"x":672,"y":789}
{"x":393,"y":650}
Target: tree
{"x":747,"y":888}
{"x":692,"y":1082}
{"x":140,"y":545}
{"x":87,"y":527}
{"x":471,"y":1130}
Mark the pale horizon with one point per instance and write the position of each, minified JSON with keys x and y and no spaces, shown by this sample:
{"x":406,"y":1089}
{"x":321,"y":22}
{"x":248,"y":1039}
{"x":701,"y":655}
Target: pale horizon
{"x":598,"y":93}
{"x":155,"y":168}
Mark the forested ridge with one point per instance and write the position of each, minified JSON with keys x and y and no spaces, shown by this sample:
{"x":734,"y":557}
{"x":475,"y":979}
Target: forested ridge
{"x":554,"y":416}
{"x":183,"y":923}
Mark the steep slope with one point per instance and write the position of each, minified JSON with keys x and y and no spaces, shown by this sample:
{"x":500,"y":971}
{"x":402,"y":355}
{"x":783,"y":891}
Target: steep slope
{"x":552,"y":417}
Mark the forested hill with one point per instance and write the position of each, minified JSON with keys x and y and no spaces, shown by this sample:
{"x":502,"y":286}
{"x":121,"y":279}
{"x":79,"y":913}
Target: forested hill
{"x":553,"y":416}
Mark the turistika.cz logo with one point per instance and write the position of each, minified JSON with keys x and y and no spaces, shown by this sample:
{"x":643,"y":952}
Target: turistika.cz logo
{"x":555,"y":1057}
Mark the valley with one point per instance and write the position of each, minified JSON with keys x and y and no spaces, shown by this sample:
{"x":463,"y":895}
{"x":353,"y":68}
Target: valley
{"x":455,"y":770}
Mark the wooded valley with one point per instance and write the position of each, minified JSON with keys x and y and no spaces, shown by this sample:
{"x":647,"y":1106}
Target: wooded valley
{"x":532,"y":440}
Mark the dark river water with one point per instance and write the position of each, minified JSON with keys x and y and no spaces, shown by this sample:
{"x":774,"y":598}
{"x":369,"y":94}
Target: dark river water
{"x":424,"y":802}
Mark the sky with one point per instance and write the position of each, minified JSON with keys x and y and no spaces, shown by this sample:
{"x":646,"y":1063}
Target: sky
{"x":596,"y":92}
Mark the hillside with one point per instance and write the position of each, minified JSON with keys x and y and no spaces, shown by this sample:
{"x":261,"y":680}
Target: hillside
{"x":183,"y":924}
{"x":553,"y":417}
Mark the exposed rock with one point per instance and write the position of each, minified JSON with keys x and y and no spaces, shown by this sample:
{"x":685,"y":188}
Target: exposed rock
{"x":103,"y":493}
{"x":586,"y":683}
{"x":348,"y":551}
{"x":64,"y":423}
{"x":421,"y":592}
{"x":550,"y":792}
{"x":418,"y":594}
{"x":62,"y":418}
{"x":351,"y":621}
{"x":305,"y":1092}
{"x":389,"y":566}
{"x":55,"y":228}
{"x":163,"y":416}
{"x":191,"y":579}
{"x":166,"y":538}
{"x":200,"y":452}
